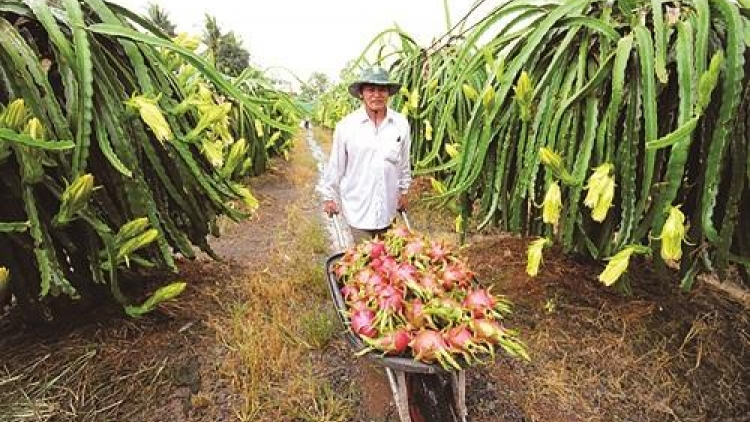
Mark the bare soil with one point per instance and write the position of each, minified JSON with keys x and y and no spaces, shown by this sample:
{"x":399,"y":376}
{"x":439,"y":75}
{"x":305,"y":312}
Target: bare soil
{"x":597,"y":355}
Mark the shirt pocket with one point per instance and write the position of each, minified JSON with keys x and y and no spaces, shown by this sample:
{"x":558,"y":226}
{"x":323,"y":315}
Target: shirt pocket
{"x":393,"y":150}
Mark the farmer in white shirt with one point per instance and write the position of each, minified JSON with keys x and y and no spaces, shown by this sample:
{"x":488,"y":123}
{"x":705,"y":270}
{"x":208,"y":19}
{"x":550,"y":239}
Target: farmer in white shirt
{"x":368,"y":172}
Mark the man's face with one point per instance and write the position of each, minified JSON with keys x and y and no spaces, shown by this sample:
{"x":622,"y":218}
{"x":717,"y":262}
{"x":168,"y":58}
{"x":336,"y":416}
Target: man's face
{"x":375,"y":97}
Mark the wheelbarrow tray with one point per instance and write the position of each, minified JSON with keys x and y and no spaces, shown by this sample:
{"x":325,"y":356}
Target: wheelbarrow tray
{"x":405,"y":364}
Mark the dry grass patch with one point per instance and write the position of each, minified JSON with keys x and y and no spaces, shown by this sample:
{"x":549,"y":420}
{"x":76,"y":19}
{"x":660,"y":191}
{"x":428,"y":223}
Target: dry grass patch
{"x":280,"y":319}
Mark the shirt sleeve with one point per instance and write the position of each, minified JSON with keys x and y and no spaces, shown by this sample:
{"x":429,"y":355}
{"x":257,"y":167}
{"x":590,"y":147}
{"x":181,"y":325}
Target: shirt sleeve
{"x":335,"y":167}
{"x":404,"y":180}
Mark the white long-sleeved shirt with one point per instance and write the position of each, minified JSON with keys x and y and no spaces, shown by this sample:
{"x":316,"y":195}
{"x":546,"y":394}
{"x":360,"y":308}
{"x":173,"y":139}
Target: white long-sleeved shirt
{"x":368,"y":168}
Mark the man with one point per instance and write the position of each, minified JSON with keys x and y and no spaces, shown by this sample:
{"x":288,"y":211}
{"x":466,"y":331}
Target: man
{"x":368,"y":172}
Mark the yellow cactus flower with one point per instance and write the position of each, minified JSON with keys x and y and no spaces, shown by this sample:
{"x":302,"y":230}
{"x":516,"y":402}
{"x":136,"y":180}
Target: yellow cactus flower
{"x":405,"y":109}
{"x":237,"y":153}
{"x":552,"y":204}
{"x":534,"y":255}
{"x":258,"y":128}
{"x":4,"y":275}
{"x":152,"y":116}
{"x":75,"y":199}
{"x":599,"y":213}
{"x":414,"y":99}
{"x":205,"y":93}
{"x":404,"y":91}
{"x":210,"y":114}
{"x":600,"y":192}
{"x":672,"y":235}
{"x":248,"y":198}
{"x":213,"y":150}
{"x":185,"y":40}
{"x":618,"y":264}
{"x":427,"y":130}
{"x":452,"y":150}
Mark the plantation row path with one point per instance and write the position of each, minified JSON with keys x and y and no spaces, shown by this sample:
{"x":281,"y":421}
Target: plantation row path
{"x":254,"y":338}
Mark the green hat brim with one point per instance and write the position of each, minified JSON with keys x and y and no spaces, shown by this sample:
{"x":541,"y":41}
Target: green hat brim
{"x":355,"y":88}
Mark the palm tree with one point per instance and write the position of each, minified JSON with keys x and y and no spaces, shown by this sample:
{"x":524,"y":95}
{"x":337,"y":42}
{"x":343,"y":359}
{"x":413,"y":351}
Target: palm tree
{"x":161,"y":19}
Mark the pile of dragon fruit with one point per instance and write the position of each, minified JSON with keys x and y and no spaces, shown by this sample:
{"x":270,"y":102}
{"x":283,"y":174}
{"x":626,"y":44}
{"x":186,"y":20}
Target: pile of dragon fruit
{"x":410,"y":296}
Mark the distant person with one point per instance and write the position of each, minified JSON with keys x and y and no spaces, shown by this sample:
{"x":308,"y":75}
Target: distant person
{"x":307,"y":124}
{"x":368,"y":172}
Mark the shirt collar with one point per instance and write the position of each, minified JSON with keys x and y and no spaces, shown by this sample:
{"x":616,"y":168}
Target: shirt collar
{"x":362,"y":116}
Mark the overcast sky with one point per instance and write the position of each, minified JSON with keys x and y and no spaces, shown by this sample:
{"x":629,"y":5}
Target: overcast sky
{"x":308,"y":36}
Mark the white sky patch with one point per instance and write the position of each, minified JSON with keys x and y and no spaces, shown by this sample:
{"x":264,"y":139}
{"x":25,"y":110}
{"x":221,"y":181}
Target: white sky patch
{"x":306,"y":36}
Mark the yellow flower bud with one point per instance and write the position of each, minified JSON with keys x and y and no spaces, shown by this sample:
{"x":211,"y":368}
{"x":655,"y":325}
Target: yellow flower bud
{"x":163,"y":294}
{"x":34,"y":129}
{"x":459,"y":223}
{"x":452,"y":150}
{"x":438,"y":186}
{"x":552,"y":204}
{"x":130,"y":230}
{"x":469,"y":92}
{"x":75,"y":199}
{"x":131,"y":245}
{"x":534,"y":255}
{"x":4,"y":275}
{"x":524,"y":92}
{"x":258,"y":128}
{"x":432,"y":85}
{"x":15,"y":115}
{"x":488,"y":97}
{"x":152,"y":116}
{"x":672,"y":235}
{"x":248,"y":198}
{"x":427,"y":130}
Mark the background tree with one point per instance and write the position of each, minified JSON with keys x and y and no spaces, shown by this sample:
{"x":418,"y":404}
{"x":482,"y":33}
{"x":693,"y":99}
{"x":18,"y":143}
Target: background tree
{"x":160,"y":18}
{"x":316,"y":85}
{"x":231,"y":57}
{"x":225,"y":50}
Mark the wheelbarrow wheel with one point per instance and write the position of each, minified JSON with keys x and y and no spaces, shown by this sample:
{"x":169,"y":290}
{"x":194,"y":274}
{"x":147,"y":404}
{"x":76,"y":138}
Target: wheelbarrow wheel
{"x":431,"y":398}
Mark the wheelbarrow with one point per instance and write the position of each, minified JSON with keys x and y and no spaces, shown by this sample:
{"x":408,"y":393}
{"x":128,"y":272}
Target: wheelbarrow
{"x":422,"y":392}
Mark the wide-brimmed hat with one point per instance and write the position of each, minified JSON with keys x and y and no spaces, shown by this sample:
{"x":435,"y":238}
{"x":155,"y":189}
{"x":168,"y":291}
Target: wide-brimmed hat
{"x":373,"y":76}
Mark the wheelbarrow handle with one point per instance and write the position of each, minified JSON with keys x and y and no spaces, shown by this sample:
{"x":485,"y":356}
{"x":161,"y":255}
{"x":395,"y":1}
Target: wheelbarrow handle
{"x":405,"y":217}
{"x":339,"y":232}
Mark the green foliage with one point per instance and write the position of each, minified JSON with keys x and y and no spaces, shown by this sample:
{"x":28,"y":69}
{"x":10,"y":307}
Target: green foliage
{"x":626,"y":84}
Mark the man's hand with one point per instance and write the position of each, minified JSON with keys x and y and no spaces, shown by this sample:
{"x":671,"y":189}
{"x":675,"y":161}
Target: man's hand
{"x":403,"y":202}
{"x":330,"y":207}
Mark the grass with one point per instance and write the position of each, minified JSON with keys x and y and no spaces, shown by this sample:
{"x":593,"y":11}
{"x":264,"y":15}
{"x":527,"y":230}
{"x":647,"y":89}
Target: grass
{"x":280,"y":318}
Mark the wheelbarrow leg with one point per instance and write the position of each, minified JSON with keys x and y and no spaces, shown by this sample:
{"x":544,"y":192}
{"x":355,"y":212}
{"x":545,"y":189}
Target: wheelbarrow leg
{"x":397,"y":380}
{"x":459,"y":393}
